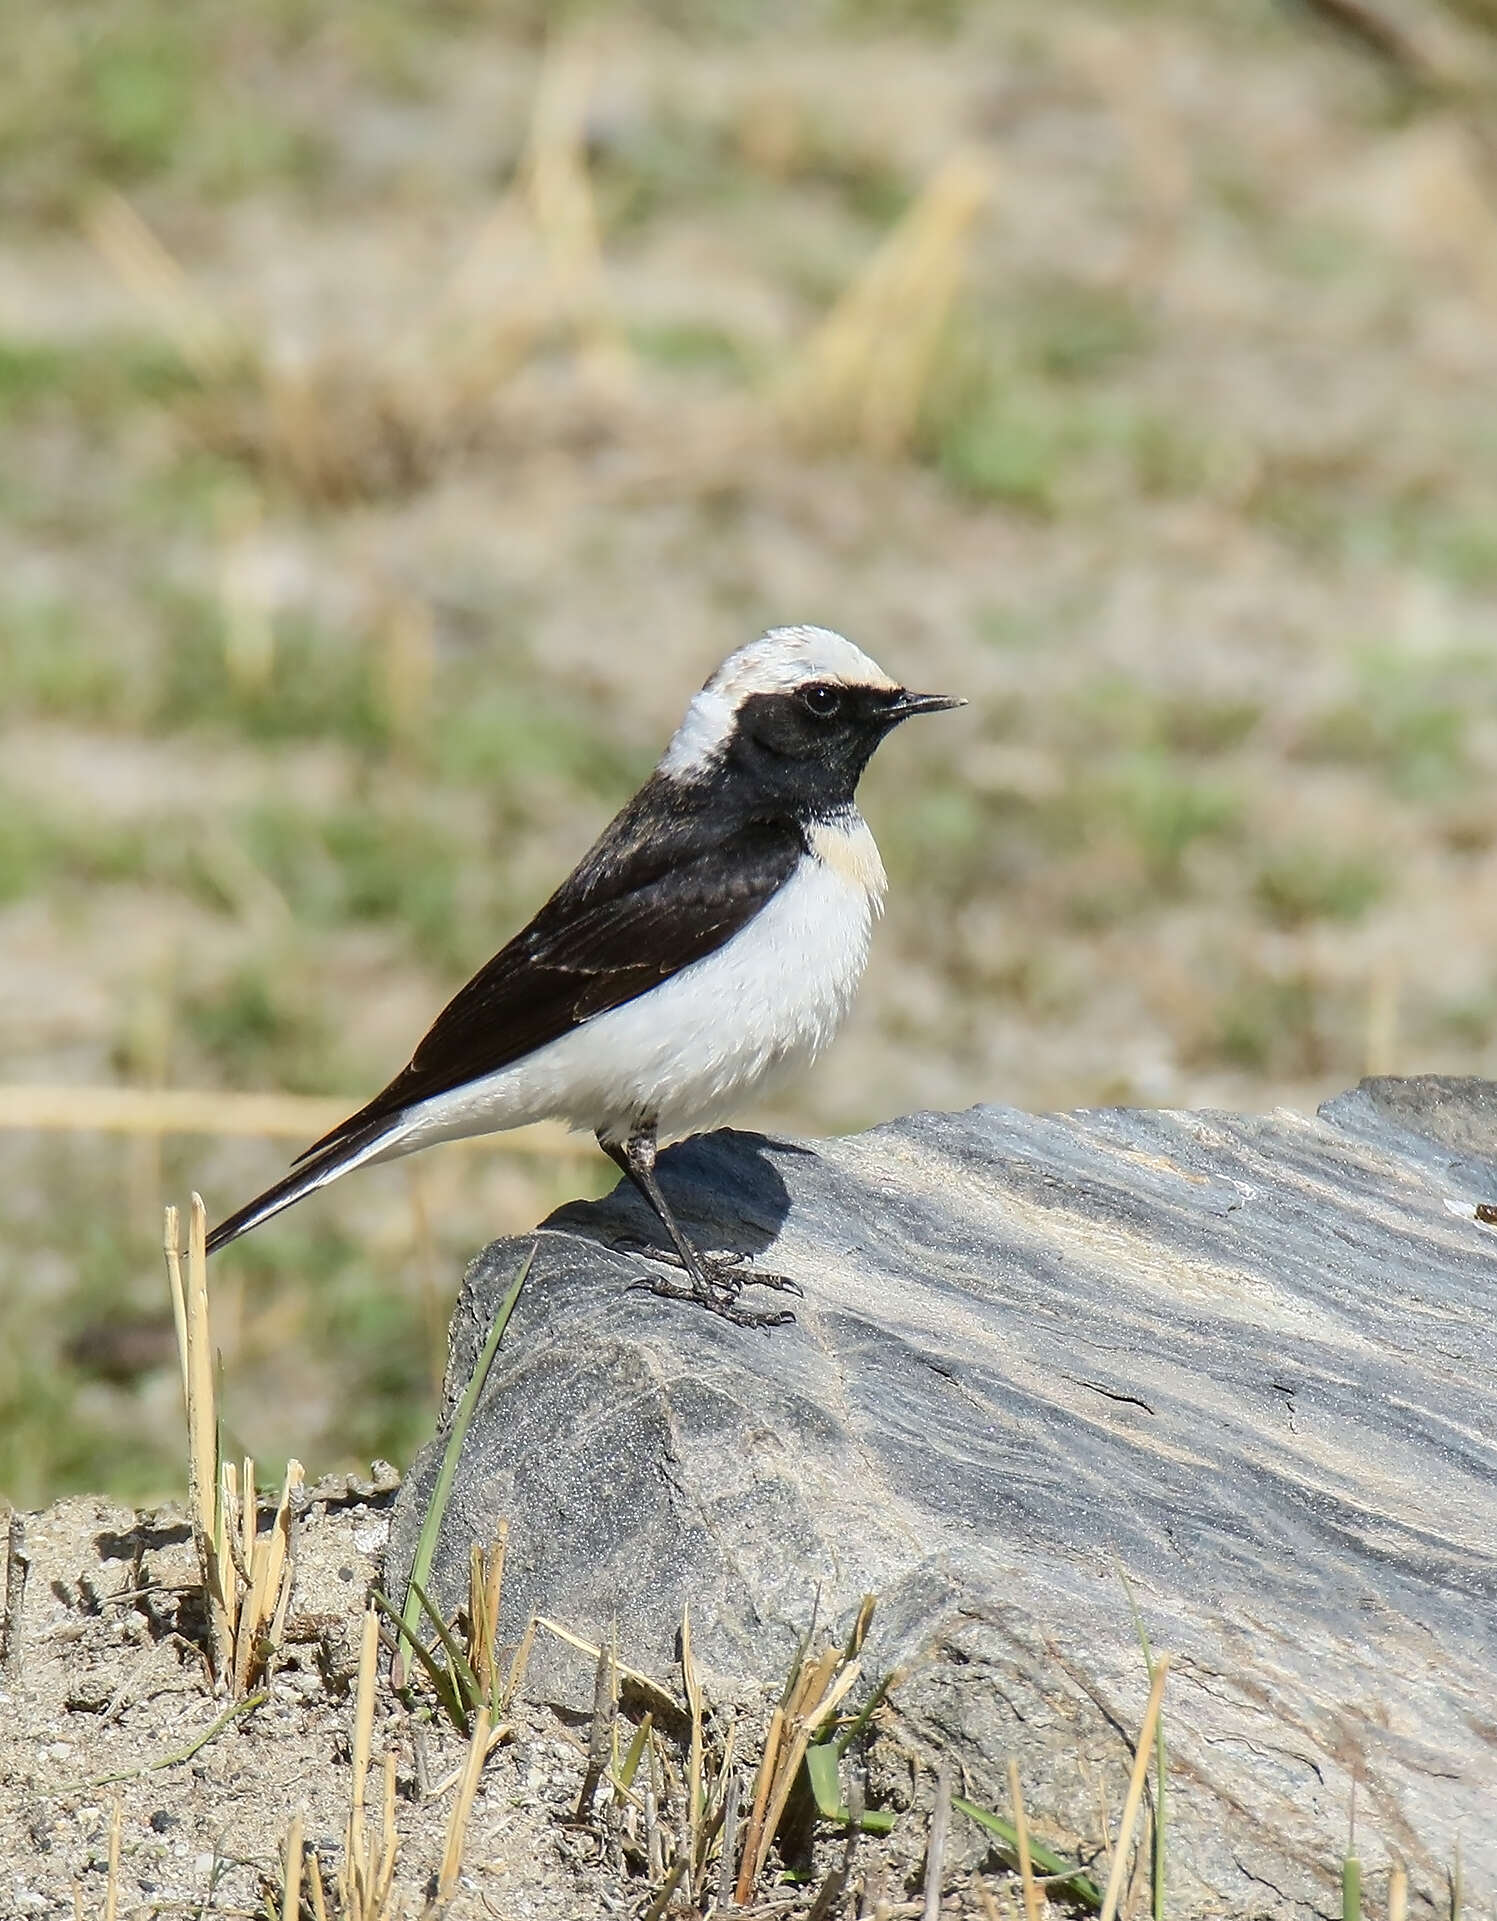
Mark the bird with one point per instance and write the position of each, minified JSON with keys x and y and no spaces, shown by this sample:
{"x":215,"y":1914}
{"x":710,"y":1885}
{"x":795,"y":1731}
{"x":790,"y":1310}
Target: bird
{"x":709,"y":943}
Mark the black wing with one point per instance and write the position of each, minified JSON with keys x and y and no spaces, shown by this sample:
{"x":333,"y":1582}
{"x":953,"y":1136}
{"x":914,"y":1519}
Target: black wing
{"x":665,"y":886}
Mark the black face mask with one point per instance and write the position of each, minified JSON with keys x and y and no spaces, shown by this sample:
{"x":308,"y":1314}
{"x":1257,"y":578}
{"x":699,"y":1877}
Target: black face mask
{"x":808,"y":748}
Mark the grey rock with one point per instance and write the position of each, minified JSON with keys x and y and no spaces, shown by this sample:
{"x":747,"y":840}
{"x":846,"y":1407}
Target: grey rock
{"x":1248,"y":1360}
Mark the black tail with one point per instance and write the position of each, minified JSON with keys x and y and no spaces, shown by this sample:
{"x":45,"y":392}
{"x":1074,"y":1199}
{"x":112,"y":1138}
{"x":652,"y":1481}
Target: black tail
{"x":319,"y":1165}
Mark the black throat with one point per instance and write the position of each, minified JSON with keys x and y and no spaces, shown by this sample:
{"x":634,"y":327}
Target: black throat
{"x":804,"y":763}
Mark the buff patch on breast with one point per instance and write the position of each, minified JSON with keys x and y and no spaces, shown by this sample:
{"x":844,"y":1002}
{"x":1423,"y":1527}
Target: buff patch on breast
{"x":851,"y":852}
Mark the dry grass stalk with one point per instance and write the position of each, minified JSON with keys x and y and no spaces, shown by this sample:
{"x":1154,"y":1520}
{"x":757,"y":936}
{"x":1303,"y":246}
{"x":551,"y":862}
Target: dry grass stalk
{"x":148,"y":269}
{"x":636,"y":1677}
{"x":462,"y":1809}
{"x":862,"y":377}
{"x":291,"y":1879}
{"x":1398,"y":1892}
{"x":263,"y":1607}
{"x":501,"y":302}
{"x":1021,"y":1830}
{"x":436,"y":1790}
{"x":560,"y":197}
{"x":695,"y":1809}
{"x":247,"y":1577}
{"x":363,"y":1728}
{"x":935,"y":1854}
{"x":1141,"y":1758}
{"x":817,"y":1690}
{"x":345,"y":424}
{"x":112,"y":1887}
{"x":487,"y":320}
{"x":829,"y":1683}
{"x":314,"y":1885}
{"x":485,"y":1585}
{"x":654,"y":1835}
{"x":368,"y":1874}
{"x":180,"y":1110}
{"x":675,"y":1810}
{"x":727,"y":1859}
{"x":768,"y":1763}
{"x":190,"y":1311}
{"x":521,"y":1660}
{"x":601,"y":1741}
{"x":666,"y":1893}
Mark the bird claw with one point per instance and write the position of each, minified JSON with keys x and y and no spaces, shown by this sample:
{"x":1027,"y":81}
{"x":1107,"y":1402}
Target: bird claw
{"x":724,"y":1305}
{"x":721,"y":1267}
{"x":780,"y":1283}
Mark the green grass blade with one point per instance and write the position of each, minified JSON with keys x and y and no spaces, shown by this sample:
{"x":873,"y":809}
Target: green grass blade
{"x":636,"y":1748}
{"x":826,"y":1791}
{"x":1351,"y":1889}
{"x":440,"y":1678}
{"x":865,"y":1714}
{"x":463,"y":1676}
{"x":826,"y":1785}
{"x":1068,"y":1877}
{"x":431,"y":1527}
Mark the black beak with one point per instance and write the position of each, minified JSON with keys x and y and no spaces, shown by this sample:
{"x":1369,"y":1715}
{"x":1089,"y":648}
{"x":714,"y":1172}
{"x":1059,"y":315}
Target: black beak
{"x":903,"y":705}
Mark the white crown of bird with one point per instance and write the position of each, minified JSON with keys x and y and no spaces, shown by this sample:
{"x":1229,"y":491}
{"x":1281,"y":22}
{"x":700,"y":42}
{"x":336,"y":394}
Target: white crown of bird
{"x":777,"y":663}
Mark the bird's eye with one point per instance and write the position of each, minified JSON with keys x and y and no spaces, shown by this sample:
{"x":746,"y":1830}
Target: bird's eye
{"x":821,"y":701}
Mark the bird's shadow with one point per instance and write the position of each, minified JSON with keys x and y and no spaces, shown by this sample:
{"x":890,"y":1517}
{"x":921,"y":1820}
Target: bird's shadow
{"x":724,"y":1188}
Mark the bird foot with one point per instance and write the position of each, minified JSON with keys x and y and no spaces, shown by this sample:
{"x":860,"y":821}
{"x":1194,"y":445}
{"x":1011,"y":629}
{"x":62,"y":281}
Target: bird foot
{"x":720,"y":1302}
{"x":722,"y":1267}
{"x":718,"y":1285}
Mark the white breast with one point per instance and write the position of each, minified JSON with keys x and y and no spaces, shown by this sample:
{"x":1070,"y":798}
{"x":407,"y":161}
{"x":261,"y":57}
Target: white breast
{"x":689,"y":1051}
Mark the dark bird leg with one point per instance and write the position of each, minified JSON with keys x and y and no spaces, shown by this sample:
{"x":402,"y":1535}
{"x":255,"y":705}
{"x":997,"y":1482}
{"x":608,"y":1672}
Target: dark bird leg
{"x":712,"y":1282}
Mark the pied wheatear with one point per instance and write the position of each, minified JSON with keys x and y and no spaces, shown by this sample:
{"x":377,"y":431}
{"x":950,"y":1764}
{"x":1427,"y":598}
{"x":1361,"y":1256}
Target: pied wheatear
{"x":713,"y":938}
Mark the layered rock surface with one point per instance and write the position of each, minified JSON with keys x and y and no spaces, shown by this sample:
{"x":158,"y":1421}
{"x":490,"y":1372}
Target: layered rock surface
{"x":1248,"y":1361}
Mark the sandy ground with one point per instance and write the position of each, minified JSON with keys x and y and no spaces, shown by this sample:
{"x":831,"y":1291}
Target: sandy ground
{"x":105,"y":1684}
{"x":106,"y":1704}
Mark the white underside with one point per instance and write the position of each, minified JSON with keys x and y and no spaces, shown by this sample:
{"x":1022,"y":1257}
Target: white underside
{"x":689,"y":1052}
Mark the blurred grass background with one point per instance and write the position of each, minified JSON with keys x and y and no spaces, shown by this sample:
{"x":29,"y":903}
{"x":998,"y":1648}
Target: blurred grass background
{"x":403,"y":409}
